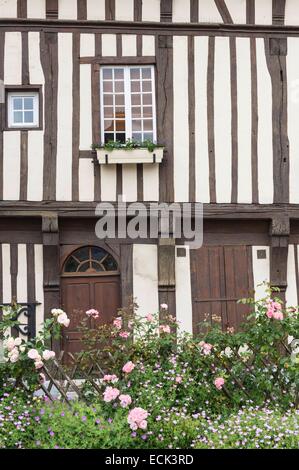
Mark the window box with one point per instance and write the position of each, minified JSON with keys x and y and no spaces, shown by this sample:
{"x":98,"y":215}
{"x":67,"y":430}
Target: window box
{"x":137,"y":155}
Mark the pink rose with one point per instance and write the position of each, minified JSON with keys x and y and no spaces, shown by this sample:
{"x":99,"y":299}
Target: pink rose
{"x":219,"y":382}
{"x":10,"y":343}
{"x":125,"y":400}
{"x":92,"y":313}
{"x":178,"y":379}
{"x":38,"y":364}
{"x":110,"y":378}
{"x":137,"y":418}
{"x":165,"y":328}
{"x":206,"y":348}
{"x":110,"y":394}
{"x":48,"y":355}
{"x":33,"y":354}
{"x":278,"y":315}
{"x":149,"y":317}
{"x":124,"y":334}
{"x":62,"y":319}
{"x":274,"y":310}
{"x":117,"y":322}
{"x":128,"y":367}
{"x":42,"y":378}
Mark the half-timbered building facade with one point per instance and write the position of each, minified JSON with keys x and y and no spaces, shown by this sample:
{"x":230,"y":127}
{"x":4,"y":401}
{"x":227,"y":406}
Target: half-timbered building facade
{"x":214,"y":81}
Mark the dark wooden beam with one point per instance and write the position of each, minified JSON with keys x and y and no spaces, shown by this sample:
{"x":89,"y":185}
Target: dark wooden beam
{"x":278,"y":11}
{"x":166,"y":11}
{"x":279,"y":244}
{"x":166,"y":273}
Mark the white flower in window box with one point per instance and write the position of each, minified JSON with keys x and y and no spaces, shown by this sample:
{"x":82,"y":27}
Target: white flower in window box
{"x":107,"y":156}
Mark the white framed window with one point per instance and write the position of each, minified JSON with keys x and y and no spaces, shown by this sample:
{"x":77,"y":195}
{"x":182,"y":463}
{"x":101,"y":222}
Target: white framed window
{"x":128,"y":107}
{"x":23,"y":109}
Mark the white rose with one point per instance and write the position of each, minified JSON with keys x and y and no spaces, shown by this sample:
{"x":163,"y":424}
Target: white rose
{"x":62,"y":319}
{"x":38,"y":364}
{"x":10,"y":343}
{"x":48,"y":354}
{"x":56,"y":311}
{"x":13,"y":352}
{"x":14,"y":357}
{"x":164,"y":306}
{"x":18,"y":341}
{"x":33,"y":354}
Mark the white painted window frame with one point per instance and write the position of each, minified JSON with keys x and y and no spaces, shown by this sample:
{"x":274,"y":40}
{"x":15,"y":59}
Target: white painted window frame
{"x":10,"y":117}
{"x":127,"y":95}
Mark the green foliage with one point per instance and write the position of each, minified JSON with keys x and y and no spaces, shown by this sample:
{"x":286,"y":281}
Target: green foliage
{"x":130,"y":144}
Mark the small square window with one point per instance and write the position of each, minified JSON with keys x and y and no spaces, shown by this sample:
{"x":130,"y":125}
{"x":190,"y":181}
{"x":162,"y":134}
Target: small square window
{"x":23,"y":109}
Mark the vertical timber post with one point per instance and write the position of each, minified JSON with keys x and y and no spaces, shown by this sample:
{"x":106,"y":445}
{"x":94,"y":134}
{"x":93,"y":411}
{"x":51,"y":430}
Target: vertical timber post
{"x":279,"y":243}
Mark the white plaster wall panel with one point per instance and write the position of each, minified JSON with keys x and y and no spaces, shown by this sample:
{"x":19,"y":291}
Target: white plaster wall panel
{"x":67,"y":10}
{"x":261,"y":271}
{"x":291,"y":291}
{"x":208,"y":12}
{"x":244,"y":120}
{"x":181,"y":11}
{"x":222,"y":120}
{"x":39,"y":288}
{"x":129,"y":182}
{"x":129,"y":47}
{"x":86,"y":179}
{"x":85,"y":107}
{"x":293,"y":113}
{"x":35,"y":69}
{"x":95,"y":9}
{"x":180,"y":122}
{"x":151,"y":182}
{"x":87,"y":45}
{"x":263,"y":12}
{"x":148,"y":45}
{"x":6,"y":278}
{"x":124,"y":11}
{"x":108,"y":182}
{"x":183,"y":294}
{"x":13,"y":58}
{"x":8,"y":8}
{"x":108,"y":45}
{"x":291,"y":12}
{"x":265,"y":144}
{"x":150,"y":10}
{"x":35,"y":165}
{"x":36,"y":8}
{"x":237,"y":10}
{"x":145,"y":278}
{"x":64,"y":118}
{"x":11,"y":165}
{"x":201,"y":121}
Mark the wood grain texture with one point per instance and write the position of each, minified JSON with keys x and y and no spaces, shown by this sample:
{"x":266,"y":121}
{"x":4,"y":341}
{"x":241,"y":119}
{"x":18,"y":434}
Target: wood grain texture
{"x":164,"y":80}
{"x":278,"y":11}
{"x":49,"y":61}
{"x":254,"y":122}
{"x":52,"y":9}
{"x":137,"y":10}
{"x":110,"y":9}
{"x":14,"y":269}
{"x":210,"y":111}
{"x":166,"y":11}
{"x":76,"y":117}
{"x":30,"y":272}
{"x":191,"y":118}
{"x":234,"y":118}
{"x":24,"y":165}
{"x":22,"y":8}
{"x":194,"y":11}
{"x":2,"y":111}
{"x":126,"y":265}
{"x":223,"y":10}
{"x":25,"y":59}
{"x":277,"y":70}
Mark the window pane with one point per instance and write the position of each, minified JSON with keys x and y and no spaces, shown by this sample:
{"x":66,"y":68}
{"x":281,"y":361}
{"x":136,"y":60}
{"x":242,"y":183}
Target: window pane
{"x":108,"y":112}
{"x":119,"y":87}
{"x":147,"y":111}
{"x":97,"y":253}
{"x":146,"y":73}
{"x":135,"y":74}
{"x":137,"y":136}
{"x":108,"y":125}
{"x":118,"y":74}
{"x":97,"y":267}
{"x":147,"y":125}
{"x":119,"y":100}
{"x":135,"y":99}
{"x":121,"y":137}
{"x":107,"y":74}
{"x":71,"y":265}
{"x":17,"y":103}
{"x":18,"y":117}
{"x":148,"y":136}
{"x":82,"y":254}
{"x":146,"y":86}
{"x":84,"y":267}
{"x":136,"y":125}
{"x":120,"y":125}
{"x":147,"y":99}
{"x":107,"y":87}
{"x":120,"y":113}
{"x":135,"y":87}
{"x":108,"y":137}
{"x":136,"y":112}
{"x":28,"y":103}
{"x":28,"y":117}
{"x":110,"y":264}
{"x":108,"y":99}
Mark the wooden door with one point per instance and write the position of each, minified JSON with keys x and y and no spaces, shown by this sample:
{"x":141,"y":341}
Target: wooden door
{"x":221,"y":275}
{"x":82,"y":293}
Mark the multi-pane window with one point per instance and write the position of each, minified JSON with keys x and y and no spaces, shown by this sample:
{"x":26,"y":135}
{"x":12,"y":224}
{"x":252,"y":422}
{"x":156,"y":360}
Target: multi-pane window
{"x":128,"y":103}
{"x":23,"y":109}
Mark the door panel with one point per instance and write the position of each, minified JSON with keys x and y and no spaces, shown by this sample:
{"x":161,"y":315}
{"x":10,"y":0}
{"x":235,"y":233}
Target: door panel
{"x":220,"y":276}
